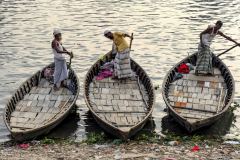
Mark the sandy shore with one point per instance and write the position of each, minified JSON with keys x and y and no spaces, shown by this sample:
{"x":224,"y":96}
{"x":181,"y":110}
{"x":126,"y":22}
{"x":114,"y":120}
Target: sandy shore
{"x":131,"y":150}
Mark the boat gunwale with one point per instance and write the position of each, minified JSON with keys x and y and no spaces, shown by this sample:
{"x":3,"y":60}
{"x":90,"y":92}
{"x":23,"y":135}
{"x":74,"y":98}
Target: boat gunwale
{"x":86,"y":89}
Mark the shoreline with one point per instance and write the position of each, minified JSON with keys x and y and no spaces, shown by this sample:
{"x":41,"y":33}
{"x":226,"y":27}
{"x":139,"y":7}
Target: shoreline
{"x":143,"y":147}
{"x":130,"y":150}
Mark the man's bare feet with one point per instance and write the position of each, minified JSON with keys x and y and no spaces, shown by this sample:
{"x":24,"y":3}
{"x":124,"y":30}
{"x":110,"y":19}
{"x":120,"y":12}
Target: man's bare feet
{"x":55,"y":88}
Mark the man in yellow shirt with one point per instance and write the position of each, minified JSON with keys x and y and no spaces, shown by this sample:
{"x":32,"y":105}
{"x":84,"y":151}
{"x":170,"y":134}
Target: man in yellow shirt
{"x":122,"y":66}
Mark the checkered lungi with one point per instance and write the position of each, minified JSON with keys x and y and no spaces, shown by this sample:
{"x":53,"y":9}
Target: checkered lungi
{"x":204,"y":61}
{"x":122,"y":66}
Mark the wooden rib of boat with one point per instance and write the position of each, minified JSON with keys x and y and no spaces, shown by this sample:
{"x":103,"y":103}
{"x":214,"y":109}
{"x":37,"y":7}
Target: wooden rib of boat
{"x":35,"y":108}
{"x":121,"y":107}
{"x":198,"y":101}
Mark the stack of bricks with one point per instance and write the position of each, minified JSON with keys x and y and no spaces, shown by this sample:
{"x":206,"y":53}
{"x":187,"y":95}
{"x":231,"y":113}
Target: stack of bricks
{"x":40,"y":106}
{"x":119,"y":102}
{"x":198,"y":97}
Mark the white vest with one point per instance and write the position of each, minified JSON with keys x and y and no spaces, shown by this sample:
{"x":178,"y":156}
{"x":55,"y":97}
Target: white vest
{"x":59,"y":56}
{"x":207,"y":38}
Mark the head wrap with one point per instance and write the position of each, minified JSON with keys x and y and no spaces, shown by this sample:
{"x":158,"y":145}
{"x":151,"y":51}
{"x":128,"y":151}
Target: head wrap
{"x":106,"y":32}
{"x":56,"y":31}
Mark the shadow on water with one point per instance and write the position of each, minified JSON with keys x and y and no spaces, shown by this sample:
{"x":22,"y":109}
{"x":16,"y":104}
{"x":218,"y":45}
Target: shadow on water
{"x":220,"y":127}
{"x":74,"y":126}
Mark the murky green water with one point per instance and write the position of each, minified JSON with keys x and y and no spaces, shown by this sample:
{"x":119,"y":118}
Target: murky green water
{"x":164,"y":31}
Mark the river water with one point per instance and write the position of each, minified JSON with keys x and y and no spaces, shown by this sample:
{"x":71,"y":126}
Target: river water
{"x":164,"y":33}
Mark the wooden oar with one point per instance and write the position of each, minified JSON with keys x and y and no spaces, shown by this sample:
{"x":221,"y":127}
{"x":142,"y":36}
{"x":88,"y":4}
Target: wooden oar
{"x":130,"y":46}
{"x":227,"y":50}
{"x":70,"y":61}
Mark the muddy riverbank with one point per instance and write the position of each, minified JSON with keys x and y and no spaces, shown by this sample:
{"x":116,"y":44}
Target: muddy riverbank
{"x":63,"y":150}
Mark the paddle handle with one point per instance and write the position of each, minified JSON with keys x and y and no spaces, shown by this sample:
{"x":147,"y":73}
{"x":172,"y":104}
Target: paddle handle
{"x":70,"y":61}
{"x":130,"y":46}
{"x":227,"y":50}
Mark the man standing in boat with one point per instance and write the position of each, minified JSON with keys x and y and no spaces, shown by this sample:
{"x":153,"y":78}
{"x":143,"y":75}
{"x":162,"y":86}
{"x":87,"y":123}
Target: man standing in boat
{"x":122,"y":67}
{"x":60,"y":69}
{"x":204,"y":56}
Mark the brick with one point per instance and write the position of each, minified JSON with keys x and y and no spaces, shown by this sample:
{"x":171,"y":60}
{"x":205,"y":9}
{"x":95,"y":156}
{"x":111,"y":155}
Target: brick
{"x":171,"y":87}
{"x":209,"y":102}
{"x":99,"y":96}
{"x":207,"y":84}
{"x":217,"y":91}
{"x":185,"y":89}
{"x":128,"y":96}
{"x":213,"y":108}
{"x":214,"y":97}
{"x":211,"y":91}
{"x":109,"y":96}
{"x":200,"y":95}
{"x":125,"y":103}
{"x":180,"y":99}
{"x":194,"y":95}
{"x":191,"y":89}
{"x":194,"y":83}
{"x":103,"y":102}
{"x":202,"y":101}
{"x":189,"y":83}
{"x":105,"y":90}
{"x":195,"y":100}
{"x":215,"y":102}
{"x":184,"y":100}
{"x":185,"y":82}
{"x":200,"y":83}
{"x":207,"y":96}
{"x":100,"y":107}
{"x":115,"y":96}
{"x":213,"y":85}
{"x":198,"y":89}
{"x":189,"y":105}
{"x":123,"y":96}
{"x":190,"y":100}
{"x":179,"y":82}
{"x":220,"y":85}
{"x":205,"y":90}
{"x":195,"y":106}
{"x":178,"y":104}
{"x":183,"y":104}
{"x":180,"y":88}
{"x":201,"y":106}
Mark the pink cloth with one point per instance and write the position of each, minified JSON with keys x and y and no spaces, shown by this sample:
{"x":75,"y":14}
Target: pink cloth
{"x":104,"y":74}
{"x":48,"y":72}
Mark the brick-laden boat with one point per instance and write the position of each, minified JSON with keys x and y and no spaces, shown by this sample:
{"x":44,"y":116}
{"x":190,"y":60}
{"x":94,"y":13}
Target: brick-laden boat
{"x":198,"y":101}
{"x":120,"y":107}
{"x":35,"y":108}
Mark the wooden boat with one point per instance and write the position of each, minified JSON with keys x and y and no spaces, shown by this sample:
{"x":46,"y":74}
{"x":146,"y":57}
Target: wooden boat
{"x":198,"y":101}
{"x":121,"y":107}
{"x":35,"y":108}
